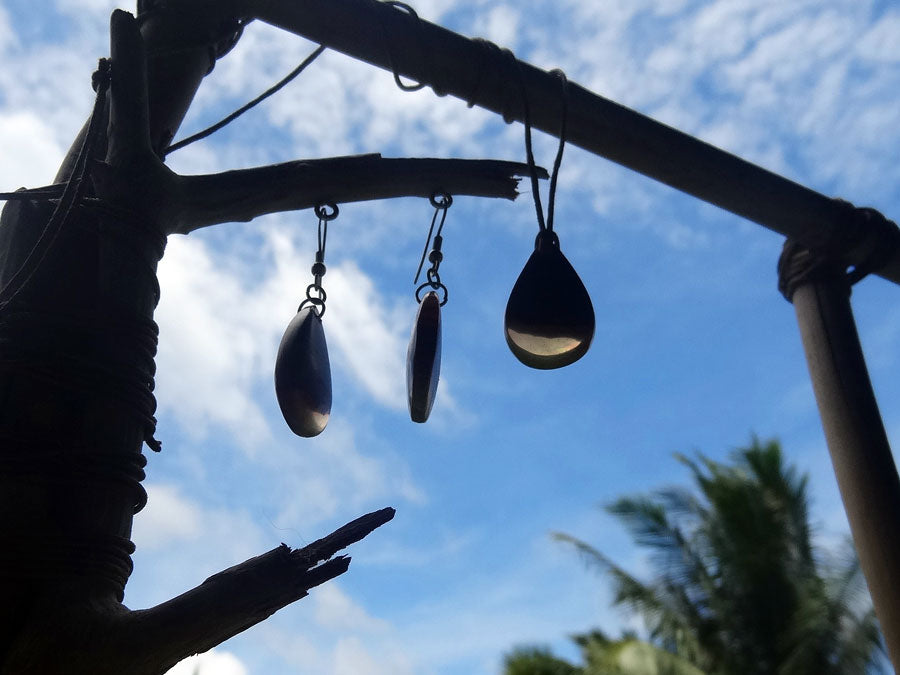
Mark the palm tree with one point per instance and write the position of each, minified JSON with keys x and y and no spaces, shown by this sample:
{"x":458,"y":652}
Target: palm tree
{"x":739,"y":588}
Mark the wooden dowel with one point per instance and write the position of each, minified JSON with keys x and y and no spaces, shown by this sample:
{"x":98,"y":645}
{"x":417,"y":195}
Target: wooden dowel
{"x":859,"y":449}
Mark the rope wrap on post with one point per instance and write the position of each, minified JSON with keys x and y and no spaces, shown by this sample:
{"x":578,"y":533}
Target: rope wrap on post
{"x":865,"y":229}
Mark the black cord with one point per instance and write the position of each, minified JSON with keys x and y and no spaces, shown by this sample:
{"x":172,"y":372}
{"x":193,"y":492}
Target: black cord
{"x":240,"y":111}
{"x":387,"y":43}
{"x":529,"y":151}
{"x":562,"y":144}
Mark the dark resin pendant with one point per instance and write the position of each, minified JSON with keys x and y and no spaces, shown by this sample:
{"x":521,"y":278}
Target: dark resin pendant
{"x":549,"y":319}
{"x":423,"y":358}
{"x":303,"y":375}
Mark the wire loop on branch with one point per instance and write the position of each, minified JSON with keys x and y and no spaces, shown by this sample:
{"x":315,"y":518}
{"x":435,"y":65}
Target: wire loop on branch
{"x":390,"y":53}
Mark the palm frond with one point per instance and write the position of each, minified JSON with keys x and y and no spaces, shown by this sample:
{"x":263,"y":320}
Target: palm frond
{"x":537,"y":661}
{"x":631,"y":656}
{"x":737,"y":585}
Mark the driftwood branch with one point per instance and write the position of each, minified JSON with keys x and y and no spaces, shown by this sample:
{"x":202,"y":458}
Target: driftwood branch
{"x":104,"y":638}
{"x":245,"y":194}
{"x":233,"y":600}
{"x":129,"y":119}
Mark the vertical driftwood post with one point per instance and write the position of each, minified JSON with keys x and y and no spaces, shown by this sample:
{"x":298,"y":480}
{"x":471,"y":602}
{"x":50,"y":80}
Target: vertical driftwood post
{"x":857,"y":443}
{"x":76,"y":374}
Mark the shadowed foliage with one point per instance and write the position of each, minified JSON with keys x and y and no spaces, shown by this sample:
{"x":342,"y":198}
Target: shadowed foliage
{"x":738,"y":586}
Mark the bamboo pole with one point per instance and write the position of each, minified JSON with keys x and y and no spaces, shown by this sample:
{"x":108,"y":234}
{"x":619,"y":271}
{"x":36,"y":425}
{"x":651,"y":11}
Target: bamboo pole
{"x":390,"y":38}
{"x":860,"y":452}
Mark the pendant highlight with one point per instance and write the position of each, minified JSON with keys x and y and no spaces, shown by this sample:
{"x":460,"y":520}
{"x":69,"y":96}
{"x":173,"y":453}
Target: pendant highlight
{"x":549,"y":320}
{"x":303,"y":375}
{"x":423,"y":358}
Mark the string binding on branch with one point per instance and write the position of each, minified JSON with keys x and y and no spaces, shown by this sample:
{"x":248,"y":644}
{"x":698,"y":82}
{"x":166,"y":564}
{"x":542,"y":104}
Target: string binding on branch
{"x":860,"y":227}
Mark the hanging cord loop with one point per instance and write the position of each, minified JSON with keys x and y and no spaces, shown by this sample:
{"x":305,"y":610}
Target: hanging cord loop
{"x":529,"y":150}
{"x":441,"y":201}
{"x":315,"y":293}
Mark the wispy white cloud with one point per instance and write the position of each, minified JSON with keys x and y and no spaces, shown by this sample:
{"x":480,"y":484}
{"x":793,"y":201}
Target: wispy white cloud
{"x":878,"y":44}
{"x":210,"y":353}
{"x":30,"y":153}
{"x":181,"y":541}
{"x":333,"y":609}
{"x":213,"y":662}
{"x":7,"y":35}
{"x":500,"y":23}
{"x":314,"y":483}
{"x":169,"y":518}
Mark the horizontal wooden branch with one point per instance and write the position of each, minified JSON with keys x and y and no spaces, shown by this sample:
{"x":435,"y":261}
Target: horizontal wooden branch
{"x":244,"y":194}
{"x":233,"y":600}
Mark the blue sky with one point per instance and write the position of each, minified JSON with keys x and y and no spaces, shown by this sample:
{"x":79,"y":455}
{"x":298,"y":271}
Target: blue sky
{"x":695,"y":350}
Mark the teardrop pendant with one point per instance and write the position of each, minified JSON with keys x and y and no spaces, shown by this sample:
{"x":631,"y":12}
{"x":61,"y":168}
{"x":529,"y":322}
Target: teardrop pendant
{"x":549,"y":320}
{"x":303,"y":374}
{"x":423,"y":358}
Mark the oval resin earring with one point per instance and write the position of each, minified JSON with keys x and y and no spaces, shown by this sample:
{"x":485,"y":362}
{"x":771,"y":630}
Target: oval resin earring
{"x":302,"y":369}
{"x":423,"y":358}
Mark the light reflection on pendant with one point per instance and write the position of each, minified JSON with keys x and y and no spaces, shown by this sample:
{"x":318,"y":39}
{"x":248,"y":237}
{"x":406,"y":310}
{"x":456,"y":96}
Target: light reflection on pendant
{"x":303,"y":375}
{"x":423,"y":358}
{"x":549,"y":320}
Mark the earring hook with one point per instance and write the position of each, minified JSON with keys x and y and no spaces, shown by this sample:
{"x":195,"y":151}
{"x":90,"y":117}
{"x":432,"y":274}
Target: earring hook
{"x":441,"y":201}
{"x":315,"y":293}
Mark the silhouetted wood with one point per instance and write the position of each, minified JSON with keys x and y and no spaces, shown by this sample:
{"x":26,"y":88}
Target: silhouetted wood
{"x":247,"y":193}
{"x":109,"y":639}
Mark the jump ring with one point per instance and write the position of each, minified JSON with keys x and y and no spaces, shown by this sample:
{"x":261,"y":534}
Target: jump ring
{"x":322,"y":211}
{"x":320,"y":294}
{"x":434,"y":288}
{"x":440,"y":200}
{"x":317,"y":304}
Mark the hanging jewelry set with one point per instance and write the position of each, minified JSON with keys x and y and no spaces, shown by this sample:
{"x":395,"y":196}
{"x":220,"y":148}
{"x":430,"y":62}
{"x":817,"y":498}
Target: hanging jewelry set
{"x":549,"y":320}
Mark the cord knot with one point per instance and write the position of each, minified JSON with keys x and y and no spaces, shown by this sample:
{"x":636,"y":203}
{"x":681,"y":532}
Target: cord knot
{"x":872,"y":239}
{"x":101,"y":77}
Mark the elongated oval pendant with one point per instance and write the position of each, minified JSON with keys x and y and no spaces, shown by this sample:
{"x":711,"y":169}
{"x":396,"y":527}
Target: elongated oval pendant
{"x":303,"y":375}
{"x":423,"y":358}
{"x":549,"y":320}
